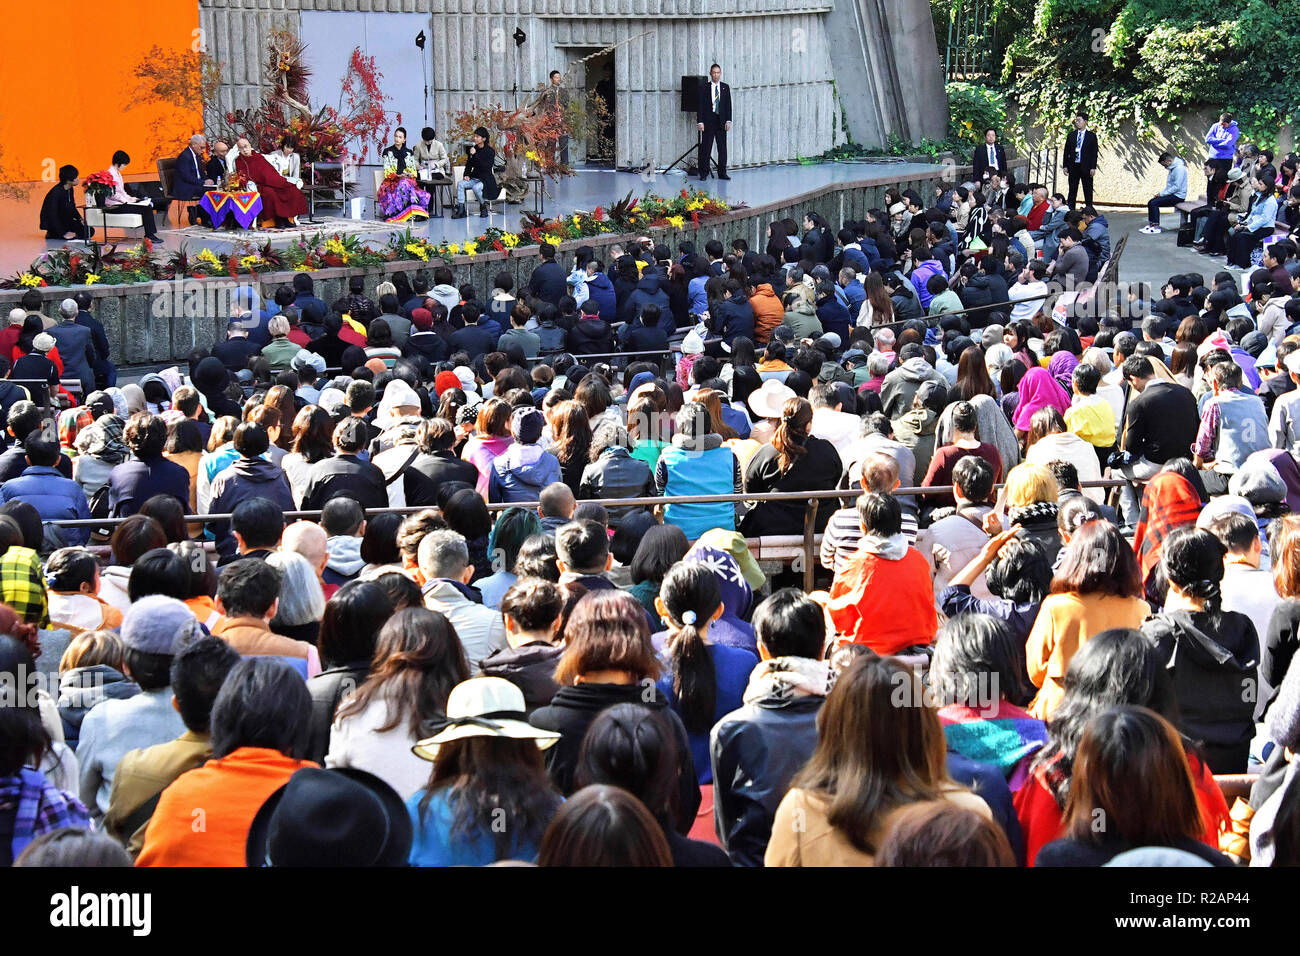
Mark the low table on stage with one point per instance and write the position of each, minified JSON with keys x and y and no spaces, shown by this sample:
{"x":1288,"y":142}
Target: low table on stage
{"x":244,"y":207}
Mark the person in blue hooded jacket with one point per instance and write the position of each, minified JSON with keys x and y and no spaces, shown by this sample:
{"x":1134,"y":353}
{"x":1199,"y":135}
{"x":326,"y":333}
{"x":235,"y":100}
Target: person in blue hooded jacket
{"x":921,"y":276}
{"x":832,"y":313}
{"x":697,"y":288}
{"x":521,"y":471}
{"x":1221,"y":142}
{"x":730,"y":314}
{"x":601,"y":291}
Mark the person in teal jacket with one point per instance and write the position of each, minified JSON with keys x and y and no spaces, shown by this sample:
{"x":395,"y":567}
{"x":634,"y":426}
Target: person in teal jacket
{"x":696,"y":463}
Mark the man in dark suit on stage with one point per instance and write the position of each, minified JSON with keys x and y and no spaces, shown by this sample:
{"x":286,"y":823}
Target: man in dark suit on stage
{"x":990,"y":157}
{"x":189,"y":183}
{"x":713,"y":115}
{"x":1081,"y":158}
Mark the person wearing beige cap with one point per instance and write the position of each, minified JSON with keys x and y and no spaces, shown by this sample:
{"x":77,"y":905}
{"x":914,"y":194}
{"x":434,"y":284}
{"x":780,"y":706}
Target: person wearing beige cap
{"x":485,"y":755}
{"x":37,"y":366}
{"x":766,"y":403}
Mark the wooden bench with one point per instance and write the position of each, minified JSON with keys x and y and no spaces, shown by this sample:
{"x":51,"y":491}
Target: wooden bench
{"x":1187,"y":207}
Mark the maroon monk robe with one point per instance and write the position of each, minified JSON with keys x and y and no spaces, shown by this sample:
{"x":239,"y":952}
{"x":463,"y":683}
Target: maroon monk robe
{"x":280,"y":198}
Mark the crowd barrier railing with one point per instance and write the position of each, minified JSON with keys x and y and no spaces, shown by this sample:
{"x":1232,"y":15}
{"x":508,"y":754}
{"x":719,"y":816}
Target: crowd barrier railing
{"x":808,"y":547}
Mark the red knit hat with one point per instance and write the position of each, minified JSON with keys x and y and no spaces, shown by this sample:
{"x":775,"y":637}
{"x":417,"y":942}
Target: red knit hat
{"x":444,"y":380}
{"x":422,"y":319}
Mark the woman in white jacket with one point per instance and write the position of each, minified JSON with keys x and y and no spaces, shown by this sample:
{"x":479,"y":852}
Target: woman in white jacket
{"x":1050,"y":441}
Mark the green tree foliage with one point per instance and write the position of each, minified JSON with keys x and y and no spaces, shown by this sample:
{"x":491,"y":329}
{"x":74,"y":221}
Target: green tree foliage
{"x":1154,"y":60}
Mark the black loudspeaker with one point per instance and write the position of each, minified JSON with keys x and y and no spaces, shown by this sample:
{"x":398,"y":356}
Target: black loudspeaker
{"x":690,"y":93}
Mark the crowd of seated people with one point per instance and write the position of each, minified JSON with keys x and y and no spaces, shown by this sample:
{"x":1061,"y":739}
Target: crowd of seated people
{"x":480,"y":619}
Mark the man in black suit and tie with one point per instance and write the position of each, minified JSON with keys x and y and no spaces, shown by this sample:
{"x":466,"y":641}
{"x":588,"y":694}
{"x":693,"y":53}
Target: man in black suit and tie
{"x":714,"y":120}
{"x":1081,"y":158}
{"x":991,"y":158}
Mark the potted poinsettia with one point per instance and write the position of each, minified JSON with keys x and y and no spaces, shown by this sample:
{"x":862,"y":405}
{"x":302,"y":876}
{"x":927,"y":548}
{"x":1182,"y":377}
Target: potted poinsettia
{"x":99,"y":186}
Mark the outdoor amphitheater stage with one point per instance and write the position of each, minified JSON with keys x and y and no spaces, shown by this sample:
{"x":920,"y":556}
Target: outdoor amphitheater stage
{"x":21,"y":241}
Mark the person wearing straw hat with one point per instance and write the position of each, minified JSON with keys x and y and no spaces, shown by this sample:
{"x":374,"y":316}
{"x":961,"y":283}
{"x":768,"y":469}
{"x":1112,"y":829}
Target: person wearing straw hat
{"x":488,"y":796}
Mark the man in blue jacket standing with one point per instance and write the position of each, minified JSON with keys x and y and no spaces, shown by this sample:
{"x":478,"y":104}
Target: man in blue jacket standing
{"x":1221,"y":142}
{"x":54,"y":497}
{"x":548,"y":281}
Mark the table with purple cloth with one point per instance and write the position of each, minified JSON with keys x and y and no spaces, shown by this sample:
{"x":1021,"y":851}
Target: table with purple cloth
{"x":244,"y":207}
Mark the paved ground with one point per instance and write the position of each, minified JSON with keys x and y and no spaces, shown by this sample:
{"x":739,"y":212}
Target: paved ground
{"x":1155,"y":258}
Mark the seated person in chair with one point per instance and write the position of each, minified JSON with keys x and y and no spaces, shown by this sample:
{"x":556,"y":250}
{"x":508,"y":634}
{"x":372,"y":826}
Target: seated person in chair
{"x":122,"y":202}
{"x":189,"y":177}
{"x":287,"y":163}
{"x":59,"y":216}
{"x":431,"y":155}
{"x":479,"y":177}
{"x":280,"y":198}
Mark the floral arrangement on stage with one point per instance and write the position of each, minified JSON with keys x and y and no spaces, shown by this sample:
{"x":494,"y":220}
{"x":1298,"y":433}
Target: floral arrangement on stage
{"x":100,"y":185}
{"x":533,"y":132}
{"x":629,"y":214}
{"x":318,"y":251}
{"x":89,"y":266}
{"x":246,"y":259}
{"x":107,"y":265}
{"x":322,"y":134}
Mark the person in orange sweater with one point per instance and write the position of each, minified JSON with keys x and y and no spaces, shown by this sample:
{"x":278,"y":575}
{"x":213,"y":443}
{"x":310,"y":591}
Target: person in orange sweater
{"x":768,"y":310}
{"x":1098,"y":586}
{"x":884,"y":597}
{"x":259,"y":727}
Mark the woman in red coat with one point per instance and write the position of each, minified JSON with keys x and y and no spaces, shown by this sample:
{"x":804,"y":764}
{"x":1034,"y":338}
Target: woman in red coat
{"x":280,"y":198}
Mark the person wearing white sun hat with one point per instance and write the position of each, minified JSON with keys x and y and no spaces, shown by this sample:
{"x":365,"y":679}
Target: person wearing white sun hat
{"x":766,"y":402}
{"x":488,"y":797}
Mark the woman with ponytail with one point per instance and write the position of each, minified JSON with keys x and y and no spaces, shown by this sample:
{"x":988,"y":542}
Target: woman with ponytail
{"x":702,"y":681}
{"x":1212,"y":654}
{"x":794,"y":461}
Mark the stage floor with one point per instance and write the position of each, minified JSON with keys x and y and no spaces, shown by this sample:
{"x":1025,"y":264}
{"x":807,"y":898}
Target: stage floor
{"x":21,"y":241}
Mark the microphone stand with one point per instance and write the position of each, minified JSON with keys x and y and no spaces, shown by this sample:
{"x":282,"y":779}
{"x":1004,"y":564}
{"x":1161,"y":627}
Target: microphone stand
{"x":690,"y":149}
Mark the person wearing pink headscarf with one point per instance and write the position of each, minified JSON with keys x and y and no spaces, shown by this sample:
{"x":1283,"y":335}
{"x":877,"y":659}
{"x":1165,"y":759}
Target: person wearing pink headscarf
{"x":1038,"y":389}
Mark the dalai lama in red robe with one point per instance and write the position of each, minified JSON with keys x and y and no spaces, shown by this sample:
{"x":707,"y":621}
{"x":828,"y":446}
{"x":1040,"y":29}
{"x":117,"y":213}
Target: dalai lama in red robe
{"x":280,"y":198}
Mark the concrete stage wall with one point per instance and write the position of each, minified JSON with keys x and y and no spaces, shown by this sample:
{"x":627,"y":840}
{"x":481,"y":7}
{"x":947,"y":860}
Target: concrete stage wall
{"x":163,"y":322}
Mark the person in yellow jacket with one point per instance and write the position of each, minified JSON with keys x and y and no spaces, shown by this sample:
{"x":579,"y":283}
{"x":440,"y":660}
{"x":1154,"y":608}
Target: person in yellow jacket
{"x":1097,"y":587}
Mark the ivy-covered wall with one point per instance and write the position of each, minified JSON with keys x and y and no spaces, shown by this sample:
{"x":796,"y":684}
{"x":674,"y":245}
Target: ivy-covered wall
{"x":1136,"y":63}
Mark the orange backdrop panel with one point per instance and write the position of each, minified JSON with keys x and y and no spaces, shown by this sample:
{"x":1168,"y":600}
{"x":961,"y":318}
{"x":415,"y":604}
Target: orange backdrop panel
{"x":77,"y":113}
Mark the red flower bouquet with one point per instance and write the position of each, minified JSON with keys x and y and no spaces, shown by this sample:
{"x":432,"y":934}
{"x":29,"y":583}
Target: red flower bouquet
{"x":100,"y":185}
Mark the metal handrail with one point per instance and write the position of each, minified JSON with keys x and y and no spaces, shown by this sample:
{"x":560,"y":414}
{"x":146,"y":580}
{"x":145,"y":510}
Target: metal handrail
{"x":808,"y":544}
{"x":646,"y":502}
